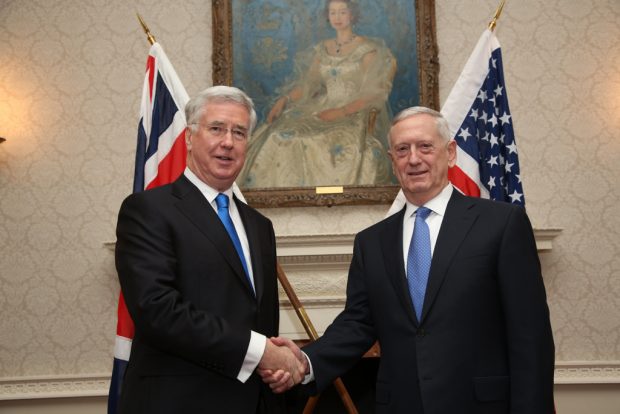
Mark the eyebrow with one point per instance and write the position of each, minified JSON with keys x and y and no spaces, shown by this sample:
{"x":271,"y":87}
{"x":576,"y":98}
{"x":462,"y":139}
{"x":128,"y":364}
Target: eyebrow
{"x":220,"y":123}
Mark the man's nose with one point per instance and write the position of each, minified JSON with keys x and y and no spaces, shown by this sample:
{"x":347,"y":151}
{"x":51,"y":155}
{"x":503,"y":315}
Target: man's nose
{"x":227,"y":138}
{"x":413,"y":156}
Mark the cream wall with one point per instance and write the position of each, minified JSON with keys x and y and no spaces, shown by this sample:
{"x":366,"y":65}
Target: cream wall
{"x":70,"y":83}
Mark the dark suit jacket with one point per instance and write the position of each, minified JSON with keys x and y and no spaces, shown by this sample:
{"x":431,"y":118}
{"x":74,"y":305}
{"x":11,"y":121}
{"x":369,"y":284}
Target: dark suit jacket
{"x":484,"y":342}
{"x":192,"y":305}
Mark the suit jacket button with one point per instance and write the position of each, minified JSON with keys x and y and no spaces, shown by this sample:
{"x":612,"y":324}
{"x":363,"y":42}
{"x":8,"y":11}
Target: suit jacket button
{"x":420,"y":333}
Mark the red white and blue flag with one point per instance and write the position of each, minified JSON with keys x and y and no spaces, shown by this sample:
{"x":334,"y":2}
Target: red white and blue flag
{"x":478,"y":115}
{"x":160,"y":159}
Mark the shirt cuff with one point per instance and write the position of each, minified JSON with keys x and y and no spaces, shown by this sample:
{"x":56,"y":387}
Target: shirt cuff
{"x":253,"y":355}
{"x":310,"y":377}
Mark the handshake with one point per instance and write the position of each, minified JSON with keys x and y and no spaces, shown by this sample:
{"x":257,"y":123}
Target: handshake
{"x":283,"y":365}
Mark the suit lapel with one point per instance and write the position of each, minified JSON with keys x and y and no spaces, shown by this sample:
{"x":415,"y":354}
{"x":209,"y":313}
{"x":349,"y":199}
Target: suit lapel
{"x":392,"y":248}
{"x":459,"y":218}
{"x":197,"y":209}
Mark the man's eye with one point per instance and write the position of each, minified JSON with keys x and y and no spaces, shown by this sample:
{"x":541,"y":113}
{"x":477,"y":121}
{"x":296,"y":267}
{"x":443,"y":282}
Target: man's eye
{"x":215,"y":130}
{"x":239,"y":134}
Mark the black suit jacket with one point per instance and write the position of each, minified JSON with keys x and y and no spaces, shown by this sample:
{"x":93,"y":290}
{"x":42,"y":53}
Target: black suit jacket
{"x":192,"y":305}
{"x":484,"y":341}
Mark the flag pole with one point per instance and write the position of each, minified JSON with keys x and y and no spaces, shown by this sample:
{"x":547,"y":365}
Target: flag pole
{"x":498,"y":13}
{"x":149,"y":36}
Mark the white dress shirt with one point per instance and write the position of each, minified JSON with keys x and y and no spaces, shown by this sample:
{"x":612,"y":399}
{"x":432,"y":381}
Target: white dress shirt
{"x":256,"y":347}
{"x":438,"y":207}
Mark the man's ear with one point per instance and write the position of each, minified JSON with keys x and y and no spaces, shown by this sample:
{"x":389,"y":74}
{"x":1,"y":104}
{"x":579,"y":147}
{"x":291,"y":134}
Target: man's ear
{"x":188,"y":140}
{"x":451,"y":153}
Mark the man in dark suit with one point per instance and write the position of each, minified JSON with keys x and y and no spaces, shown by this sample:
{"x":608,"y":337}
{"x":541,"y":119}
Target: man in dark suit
{"x":197,"y":269}
{"x":470,"y":335}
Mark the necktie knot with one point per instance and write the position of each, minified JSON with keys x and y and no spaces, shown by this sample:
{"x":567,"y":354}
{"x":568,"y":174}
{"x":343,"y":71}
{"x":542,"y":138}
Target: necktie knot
{"x":423,"y":212}
{"x":222,"y":201}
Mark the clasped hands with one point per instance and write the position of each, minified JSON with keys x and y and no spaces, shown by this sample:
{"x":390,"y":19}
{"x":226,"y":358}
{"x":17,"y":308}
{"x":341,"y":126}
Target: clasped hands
{"x":283,"y":364}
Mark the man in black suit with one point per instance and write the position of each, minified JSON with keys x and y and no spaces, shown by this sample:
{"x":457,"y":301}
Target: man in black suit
{"x":198,"y":273}
{"x":472,"y":335}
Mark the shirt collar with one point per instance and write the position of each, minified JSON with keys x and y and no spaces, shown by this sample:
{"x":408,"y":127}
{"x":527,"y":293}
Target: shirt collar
{"x":438,"y":204}
{"x":209,"y":192}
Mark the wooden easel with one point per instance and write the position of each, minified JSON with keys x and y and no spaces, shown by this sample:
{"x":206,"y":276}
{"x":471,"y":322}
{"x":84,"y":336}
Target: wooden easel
{"x":313,"y":335}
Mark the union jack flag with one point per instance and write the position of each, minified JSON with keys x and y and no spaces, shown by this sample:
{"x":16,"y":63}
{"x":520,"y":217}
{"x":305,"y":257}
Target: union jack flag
{"x":480,"y":122}
{"x":160,"y":159}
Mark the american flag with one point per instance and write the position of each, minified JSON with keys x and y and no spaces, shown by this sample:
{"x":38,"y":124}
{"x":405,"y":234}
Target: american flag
{"x":160,"y":159}
{"x":480,"y":122}
{"x":478,"y":115}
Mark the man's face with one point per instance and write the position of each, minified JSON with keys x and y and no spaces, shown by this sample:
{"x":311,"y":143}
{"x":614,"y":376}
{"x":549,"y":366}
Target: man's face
{"x":420,"y":157}
{"x":217,"y":160}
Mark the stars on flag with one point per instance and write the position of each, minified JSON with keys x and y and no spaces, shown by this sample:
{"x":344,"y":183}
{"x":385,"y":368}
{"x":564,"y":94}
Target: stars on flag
{"x":464,"y":134}
{"x":487,"y":135}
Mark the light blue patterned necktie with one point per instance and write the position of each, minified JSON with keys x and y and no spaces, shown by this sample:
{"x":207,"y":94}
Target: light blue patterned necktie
{"x":419,"y":260}
{"x":222,"y":211}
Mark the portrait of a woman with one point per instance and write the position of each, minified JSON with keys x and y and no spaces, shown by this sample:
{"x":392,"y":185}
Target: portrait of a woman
{"x":328,"y":126}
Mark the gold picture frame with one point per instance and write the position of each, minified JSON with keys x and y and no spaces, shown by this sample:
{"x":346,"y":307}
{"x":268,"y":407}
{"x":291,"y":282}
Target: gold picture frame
{"x":428,"y":68}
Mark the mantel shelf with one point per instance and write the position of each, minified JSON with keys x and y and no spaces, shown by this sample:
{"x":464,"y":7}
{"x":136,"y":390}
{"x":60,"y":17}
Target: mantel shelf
{"x":291,"y":249}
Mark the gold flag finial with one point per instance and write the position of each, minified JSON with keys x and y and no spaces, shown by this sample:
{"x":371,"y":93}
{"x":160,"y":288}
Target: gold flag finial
{"x":149,"y":36}
{"x":498,"y":12}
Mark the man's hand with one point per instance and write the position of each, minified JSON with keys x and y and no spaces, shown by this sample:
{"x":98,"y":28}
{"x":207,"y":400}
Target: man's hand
{"x":283,"y":364}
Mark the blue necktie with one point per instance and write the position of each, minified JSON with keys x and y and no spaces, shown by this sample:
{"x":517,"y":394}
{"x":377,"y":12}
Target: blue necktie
{"x":222,"y":210}
{"x":419,"y":260}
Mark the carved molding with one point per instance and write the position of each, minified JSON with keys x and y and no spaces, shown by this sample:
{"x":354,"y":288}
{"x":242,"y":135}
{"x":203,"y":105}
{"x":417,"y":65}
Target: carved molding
{"x":587,"y":372}
{"x":334,"y":251}
{"x":321,"y":248}
{"x":323,"y":302}
{"x":96,"y":385}
{"x":545,"y":237}
{"x":27,"y":388}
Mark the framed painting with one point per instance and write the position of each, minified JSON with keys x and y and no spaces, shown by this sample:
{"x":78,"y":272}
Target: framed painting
{"x":326,"y":78}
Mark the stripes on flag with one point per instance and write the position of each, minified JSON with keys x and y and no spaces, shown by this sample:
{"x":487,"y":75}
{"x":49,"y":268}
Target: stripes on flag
{"x":479,"y":119}
{"x":160,"y":159}
{"x":478,"y":115}
{"x":161,"y":151}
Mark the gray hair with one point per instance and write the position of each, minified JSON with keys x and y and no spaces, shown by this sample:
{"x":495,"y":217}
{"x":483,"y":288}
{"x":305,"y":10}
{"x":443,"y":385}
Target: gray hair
{"x":195,"y":107}
{"x":442,"y":124}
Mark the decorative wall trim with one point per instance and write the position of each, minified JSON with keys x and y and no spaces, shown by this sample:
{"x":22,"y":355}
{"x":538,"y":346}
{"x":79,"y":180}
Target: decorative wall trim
{"x":322,"y":302}
{"x":587,"y":372}
{"x":334,"y":251}
{"x":54,"y":386}
{"x":342,"y":244}
{"x":545,"y":237}
{"x":96,"y":385}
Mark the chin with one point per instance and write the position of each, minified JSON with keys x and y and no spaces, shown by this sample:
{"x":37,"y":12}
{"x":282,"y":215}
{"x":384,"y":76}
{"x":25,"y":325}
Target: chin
{"x":418,"y":191}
